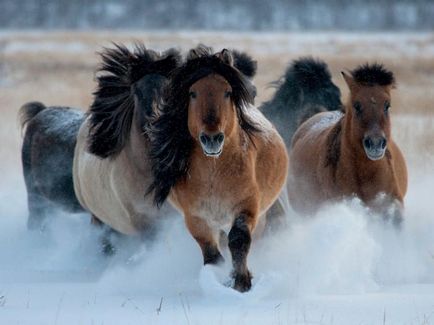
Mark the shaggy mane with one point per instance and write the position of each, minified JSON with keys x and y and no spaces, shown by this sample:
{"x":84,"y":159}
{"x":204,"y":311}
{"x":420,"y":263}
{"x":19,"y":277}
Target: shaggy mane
{"x":245,"y":63}
{"x":111,"y":112}
{"x":373,"y":74}
{"x":305,"y":89}
{"x":310,"y":73}
{"x":171,"y":144}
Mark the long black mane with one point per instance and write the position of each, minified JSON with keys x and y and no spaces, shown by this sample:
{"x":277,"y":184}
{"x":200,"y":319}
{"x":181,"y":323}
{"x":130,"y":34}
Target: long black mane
{"x":171,"y":142}
{"x":305,"y":89}
{"x":111,"y":112}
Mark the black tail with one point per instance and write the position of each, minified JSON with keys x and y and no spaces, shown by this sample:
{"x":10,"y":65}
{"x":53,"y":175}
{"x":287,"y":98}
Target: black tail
{"x":28,"y":111}
{"x":112,"y":110}
{"x":305,"y":89}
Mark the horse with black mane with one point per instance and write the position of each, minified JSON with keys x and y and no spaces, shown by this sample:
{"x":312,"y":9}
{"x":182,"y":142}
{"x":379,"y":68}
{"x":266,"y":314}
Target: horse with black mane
{"x":111,"y":169}
{"x":216,"y":157}
{"x":111,"y":144}
{"x":337,"y":155}
{"x":305,"y":89}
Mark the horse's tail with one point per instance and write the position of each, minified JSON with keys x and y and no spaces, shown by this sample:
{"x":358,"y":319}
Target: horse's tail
{"x":111,"y":112}
{"x":28,"y":111}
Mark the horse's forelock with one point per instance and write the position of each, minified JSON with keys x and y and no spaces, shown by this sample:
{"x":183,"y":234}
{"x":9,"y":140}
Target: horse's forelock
{"x":373,"y":74}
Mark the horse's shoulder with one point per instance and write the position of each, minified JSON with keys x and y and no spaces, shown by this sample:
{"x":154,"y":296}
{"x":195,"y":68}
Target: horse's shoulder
{"x":333,"y":145}
{"x":395,"y":154}
{"x":260,"y":121}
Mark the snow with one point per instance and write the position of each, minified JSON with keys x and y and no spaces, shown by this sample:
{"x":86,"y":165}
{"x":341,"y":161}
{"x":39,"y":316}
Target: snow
{"x":342,"y":266}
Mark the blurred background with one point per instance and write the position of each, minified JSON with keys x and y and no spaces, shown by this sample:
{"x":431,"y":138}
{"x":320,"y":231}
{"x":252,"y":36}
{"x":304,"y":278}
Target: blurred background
{"x":48,"y":48}
{"x":271,"y":15}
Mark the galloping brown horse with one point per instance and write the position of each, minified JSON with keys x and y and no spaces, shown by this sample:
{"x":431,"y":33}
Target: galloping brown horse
{"x":216,"y":156}
{"x":337,"y":155}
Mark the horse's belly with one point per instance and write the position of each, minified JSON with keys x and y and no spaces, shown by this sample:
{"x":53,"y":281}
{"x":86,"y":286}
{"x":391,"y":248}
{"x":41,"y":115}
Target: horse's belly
{"x":100,"y":191}
{"x":95,"y":194}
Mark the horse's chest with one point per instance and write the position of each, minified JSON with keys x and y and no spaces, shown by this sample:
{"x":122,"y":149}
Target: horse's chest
{"x":217,"y":213}
{"x":214,"y":195}
{"x":366,"y":183}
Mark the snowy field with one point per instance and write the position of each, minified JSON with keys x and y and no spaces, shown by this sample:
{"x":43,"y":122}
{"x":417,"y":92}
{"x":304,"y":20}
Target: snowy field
{"x":343,"y":266}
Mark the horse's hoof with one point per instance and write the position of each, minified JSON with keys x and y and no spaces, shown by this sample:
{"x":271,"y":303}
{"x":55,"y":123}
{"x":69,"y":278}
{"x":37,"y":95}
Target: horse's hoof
{"x":242,"y":282}
{"x":107,"y":247}
{"x":212,"y":256}
{"x":213,"y":259}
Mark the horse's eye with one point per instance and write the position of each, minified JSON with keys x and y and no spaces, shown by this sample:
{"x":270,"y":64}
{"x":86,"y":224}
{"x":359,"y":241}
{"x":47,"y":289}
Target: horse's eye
{"x":358,"y":107}
{"x":228,"y":94}
{"x":192,"y":94}
{"x":386,"y":107}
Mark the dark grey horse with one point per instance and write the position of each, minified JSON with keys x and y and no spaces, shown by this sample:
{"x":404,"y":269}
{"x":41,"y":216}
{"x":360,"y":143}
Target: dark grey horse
{"x":47,"y":155}
{"x":304,"y":90}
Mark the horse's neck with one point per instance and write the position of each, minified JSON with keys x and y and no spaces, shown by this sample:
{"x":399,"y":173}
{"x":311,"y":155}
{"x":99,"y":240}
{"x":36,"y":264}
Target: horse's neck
{"x":136,"y":146}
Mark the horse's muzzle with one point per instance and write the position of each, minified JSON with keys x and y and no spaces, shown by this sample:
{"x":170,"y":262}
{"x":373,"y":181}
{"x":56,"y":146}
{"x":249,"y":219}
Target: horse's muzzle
{"x":212,"y":145}
{"x":375,"y":147}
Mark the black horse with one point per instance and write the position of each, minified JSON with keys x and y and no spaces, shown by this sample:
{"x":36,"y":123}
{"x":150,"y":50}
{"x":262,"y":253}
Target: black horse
{"x":304,"y":90}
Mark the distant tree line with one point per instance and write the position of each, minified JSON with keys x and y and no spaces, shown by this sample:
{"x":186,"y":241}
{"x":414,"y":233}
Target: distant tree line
{"x":219,"y":14}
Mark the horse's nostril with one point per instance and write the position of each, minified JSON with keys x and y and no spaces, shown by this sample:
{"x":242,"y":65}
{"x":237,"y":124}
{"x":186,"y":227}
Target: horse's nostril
{"x":383,"y":143}
{"x":203,"y":138}
{"x":367,"y":143}
{"x":219,"y":138}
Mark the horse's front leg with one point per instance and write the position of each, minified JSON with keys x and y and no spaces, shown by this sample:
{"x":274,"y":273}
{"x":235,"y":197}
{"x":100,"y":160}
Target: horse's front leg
{"x":204,"y":236}
{"x":239,"y":240}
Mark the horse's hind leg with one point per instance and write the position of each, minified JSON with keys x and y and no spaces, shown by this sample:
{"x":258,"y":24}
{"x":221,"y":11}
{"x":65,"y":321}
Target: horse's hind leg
{"x":239,"y":244}
{"x":200,"y":230}
{"x":38,"y":205}
{"x":107,"y":246}
{"x":38,"y":210}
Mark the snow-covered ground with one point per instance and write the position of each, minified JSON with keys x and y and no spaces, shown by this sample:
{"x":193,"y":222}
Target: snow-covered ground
{"x":343,"y":266}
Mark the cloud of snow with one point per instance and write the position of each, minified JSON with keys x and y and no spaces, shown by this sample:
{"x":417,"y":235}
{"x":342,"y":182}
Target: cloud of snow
{"x":343,"y":250}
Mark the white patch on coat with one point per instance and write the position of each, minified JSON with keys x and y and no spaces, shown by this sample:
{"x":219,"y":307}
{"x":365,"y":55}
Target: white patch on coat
{"x":328,"y":119}
{"x":261,"y":121}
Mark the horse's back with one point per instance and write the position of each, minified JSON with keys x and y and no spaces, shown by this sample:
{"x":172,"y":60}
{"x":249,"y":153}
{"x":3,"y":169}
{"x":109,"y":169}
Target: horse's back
{"x":316,"y":125}
{"x":47,"y":152}
{"x":308,"y":176}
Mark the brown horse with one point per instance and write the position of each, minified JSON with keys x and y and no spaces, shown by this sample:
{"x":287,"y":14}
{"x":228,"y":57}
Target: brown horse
{"x":219,"y":160}
{"x":337,"y":155}
{"x":112,"y":167}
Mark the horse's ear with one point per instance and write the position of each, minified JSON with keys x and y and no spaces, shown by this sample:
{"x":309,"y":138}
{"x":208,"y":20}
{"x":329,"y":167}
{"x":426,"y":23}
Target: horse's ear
{"x":193,"y":54}
{"x":349,"y":80}
{"x":226,"y":56}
